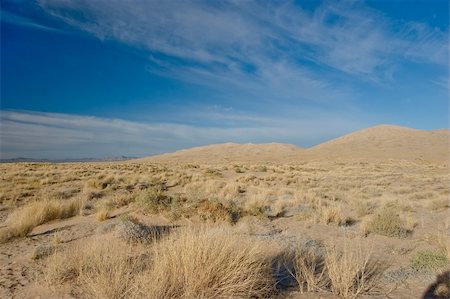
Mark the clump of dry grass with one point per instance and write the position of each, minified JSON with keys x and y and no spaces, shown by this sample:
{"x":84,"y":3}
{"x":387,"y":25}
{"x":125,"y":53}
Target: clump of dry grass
{"x":207,"y":264}
{"x":347,"y":273}
{"x":35,"y":213}
{"x":215,"y":211}
{"x":103,"y":214}
{"x":99,"y":268}
{"x":191,"y":263}
{"x":332,"y":214}
{"x":364,"y":208}
{"x":351,"y":271}
{"x":309,"y":269}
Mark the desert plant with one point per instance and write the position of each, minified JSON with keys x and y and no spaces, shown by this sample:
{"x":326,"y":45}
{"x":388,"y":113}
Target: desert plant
{"x":387,"y":223}
{"x":364,"y":208}
{"x":351,"y":271}
{"x":309,"y":269}
{"x":35,"y":213}
{"x":207,"y":264}
{"x":214,"y":211}
{"x":101,"y":268}
{"x":153,"y":200}
{"x":429,"y":260}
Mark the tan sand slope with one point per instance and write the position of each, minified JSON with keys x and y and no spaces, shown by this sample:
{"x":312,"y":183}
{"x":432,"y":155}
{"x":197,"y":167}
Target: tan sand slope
{"x":231,"y":152}
{"x":385,"y":142}
{"x":382,"y":142}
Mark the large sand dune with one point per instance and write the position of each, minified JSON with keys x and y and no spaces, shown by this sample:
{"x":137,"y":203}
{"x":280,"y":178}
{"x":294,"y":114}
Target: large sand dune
{"x":385,"y":142}
{"x":232,"y":152}
{"x":378,"y":143}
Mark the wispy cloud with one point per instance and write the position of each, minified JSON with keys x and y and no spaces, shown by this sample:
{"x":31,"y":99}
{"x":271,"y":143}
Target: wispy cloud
{"x":258,"y":43}
{"x":54,"y":135}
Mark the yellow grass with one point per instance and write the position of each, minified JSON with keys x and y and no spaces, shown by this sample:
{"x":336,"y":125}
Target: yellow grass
{"x":35,"y":213}
{"x":191,"y":263}
{"x":207,"y":264}
{"x":351,"y":271}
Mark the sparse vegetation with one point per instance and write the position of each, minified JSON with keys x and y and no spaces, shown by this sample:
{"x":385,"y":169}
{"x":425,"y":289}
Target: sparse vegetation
{"x":144,"y":209}
{"x":429,"y":260}
{"x":351,"y":271}
{"x":35,"y":213}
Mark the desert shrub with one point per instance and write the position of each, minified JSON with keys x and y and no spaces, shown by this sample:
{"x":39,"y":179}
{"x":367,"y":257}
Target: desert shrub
{"x":364,"y":208}
{"x":153,"y":201}
{"x":257,"y":206}
{"x":333,"y":215}
{"x":387,"y":223}
{"x":207,"y":264}
{"x":351,"y":271}
{"x":429,"y":260}
{"x":35,"y":213}
{"x":213,"y":172}
{"x":214,"y":211}
{"x":123,"y":199}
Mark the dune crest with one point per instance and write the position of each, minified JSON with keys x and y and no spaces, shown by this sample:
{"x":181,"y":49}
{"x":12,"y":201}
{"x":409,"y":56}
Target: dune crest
{"x":383,"y":142}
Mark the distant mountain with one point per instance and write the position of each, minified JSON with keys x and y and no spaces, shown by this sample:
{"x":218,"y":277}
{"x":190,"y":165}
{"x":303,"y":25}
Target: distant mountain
{"x":30,"y":160}
{"x":380,"y":143}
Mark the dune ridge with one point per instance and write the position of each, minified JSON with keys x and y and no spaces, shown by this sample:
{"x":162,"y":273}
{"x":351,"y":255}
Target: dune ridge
{"x":377,"y":143}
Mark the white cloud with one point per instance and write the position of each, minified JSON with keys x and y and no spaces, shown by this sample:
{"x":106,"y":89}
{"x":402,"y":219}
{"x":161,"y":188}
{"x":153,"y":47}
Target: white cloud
{"x":217,"y":41}
{"x":55,"y":135}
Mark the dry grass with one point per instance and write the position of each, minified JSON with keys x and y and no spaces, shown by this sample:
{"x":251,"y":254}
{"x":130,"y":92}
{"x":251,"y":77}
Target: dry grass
{"x":192,"y":263}
{"x":272,"y":198}
{"x":310,"y":271}
{"x":99,"y":268}
{"x":35,"y":213}
{"x":351,"y":271}
{"x":207,"y":264}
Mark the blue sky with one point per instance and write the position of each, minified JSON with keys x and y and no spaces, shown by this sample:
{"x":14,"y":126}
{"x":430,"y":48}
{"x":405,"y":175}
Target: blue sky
{"x":102,"y":78}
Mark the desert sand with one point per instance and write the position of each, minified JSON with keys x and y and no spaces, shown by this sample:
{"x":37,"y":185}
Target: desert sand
{"x":365,"y":215}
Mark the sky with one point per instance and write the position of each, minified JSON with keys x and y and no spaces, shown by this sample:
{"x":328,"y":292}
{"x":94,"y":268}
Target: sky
{"x":83,"y":78}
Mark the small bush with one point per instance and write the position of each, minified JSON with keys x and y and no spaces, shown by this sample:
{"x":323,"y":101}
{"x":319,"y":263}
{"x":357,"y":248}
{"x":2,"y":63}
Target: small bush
{"x":429,"y":260}
{"x":153,"y":201}
{"x":215,"y":211}
{"x":387,"y":223}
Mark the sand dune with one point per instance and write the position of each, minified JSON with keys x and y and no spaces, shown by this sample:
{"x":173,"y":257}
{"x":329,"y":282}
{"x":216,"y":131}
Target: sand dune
{"x":385,"y":142}
{"x":382,"y":142}
{"x":231,"y":152}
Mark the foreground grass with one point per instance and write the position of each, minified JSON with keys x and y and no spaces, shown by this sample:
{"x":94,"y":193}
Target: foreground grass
{"x":192,"y":263}
{"x":204,"y":263}
{"x":23,"y":220}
